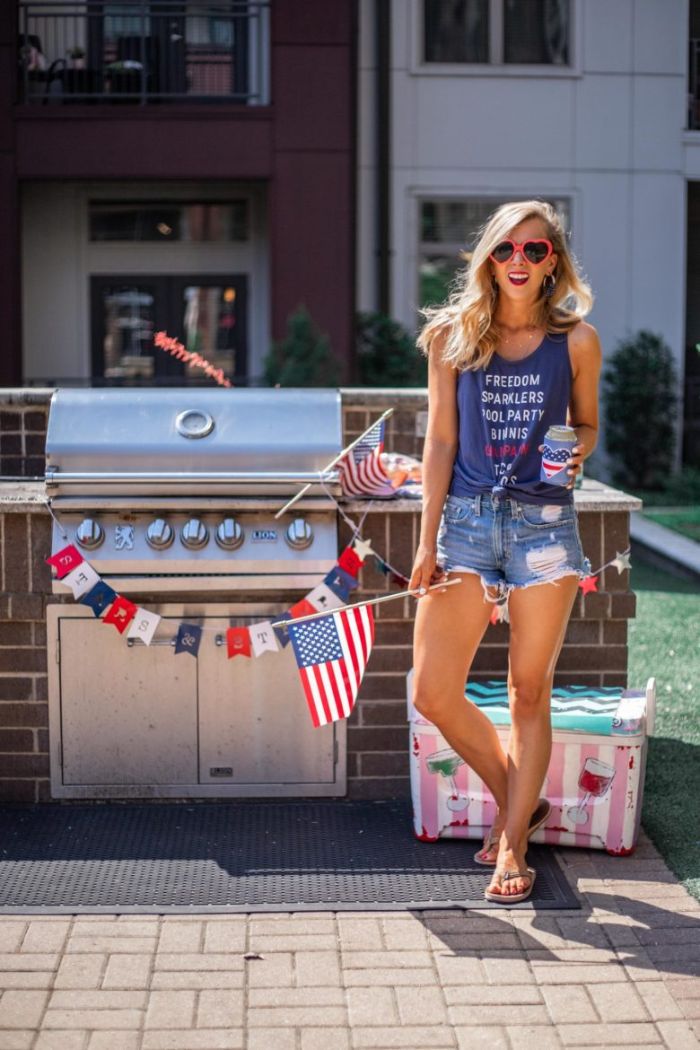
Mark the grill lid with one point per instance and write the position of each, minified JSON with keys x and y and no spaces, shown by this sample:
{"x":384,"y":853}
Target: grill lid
{"x":183,"y":440}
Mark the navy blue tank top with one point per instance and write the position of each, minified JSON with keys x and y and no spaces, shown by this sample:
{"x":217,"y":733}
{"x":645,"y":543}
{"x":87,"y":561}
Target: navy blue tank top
{"x":504,"y":412}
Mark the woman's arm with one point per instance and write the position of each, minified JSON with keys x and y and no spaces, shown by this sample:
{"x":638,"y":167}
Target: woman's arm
{"x":438,"y":460}
{"x":586,"y":362}
{"x":440,"y":442}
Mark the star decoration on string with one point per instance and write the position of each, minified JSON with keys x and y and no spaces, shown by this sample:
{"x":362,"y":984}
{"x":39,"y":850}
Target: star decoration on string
{"x":621,"y":561}
{"x":588,"y":584}
{"x":363,"y":548}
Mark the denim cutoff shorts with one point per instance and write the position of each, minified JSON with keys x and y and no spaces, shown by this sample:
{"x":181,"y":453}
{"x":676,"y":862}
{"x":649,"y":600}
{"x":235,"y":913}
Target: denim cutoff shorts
{"x":510,"y":544}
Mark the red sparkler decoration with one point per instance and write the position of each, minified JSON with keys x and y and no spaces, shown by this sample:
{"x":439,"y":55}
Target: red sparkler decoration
{"x":175,"y":347}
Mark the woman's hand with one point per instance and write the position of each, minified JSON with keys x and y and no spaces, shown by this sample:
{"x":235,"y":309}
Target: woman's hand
{"x":575,"y":463}
{"x":426,"y":571}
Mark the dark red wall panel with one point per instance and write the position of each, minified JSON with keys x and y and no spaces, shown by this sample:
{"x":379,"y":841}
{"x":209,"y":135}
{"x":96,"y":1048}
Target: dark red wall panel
{"x":10,"y":312}
{"x":129,"y":147}
{"x":312,"y":21}
{"x":312,"y":244}
{"x":312,"y":92}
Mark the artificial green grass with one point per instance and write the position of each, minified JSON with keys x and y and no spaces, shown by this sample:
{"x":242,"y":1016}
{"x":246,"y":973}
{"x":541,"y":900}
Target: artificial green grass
{"x":664,"y":641}
{"x":686,"y":521}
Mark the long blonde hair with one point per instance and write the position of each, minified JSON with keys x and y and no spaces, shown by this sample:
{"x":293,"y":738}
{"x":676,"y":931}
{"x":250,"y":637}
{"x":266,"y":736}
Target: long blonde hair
{"x":467,"y":318}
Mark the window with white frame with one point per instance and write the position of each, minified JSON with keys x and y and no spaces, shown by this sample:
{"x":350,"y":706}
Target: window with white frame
{"x":497,"y":32}
{"x":449,"y":227}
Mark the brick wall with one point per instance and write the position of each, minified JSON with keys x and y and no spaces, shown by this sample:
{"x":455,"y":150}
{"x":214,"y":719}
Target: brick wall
{"x":24,"y":719}
{"x":23,"y":434}
{"x":594,"y":652}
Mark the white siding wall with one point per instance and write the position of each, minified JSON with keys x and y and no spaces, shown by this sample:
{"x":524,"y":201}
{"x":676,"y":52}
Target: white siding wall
{"x":607,"y":134}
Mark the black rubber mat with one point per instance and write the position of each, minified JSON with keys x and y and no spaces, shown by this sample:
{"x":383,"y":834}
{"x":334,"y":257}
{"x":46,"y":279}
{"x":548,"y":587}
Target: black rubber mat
{"x":242,"y":856}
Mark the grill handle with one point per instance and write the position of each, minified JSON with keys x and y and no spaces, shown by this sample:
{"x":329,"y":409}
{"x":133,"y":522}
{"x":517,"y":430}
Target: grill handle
{"x":131,"y":642}
{"x":55,"y":477}
{"x":219,"y":639}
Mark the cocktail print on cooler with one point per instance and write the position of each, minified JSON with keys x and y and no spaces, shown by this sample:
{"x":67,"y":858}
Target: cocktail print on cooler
{"x":594,"y":780}
{"x":446,"y":763}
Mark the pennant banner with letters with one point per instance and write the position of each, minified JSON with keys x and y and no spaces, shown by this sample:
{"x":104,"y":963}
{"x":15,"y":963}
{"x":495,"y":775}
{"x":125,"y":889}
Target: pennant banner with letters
{"x":331,"y":651}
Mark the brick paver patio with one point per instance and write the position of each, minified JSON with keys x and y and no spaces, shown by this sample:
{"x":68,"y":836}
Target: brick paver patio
{"x":624,"y":971}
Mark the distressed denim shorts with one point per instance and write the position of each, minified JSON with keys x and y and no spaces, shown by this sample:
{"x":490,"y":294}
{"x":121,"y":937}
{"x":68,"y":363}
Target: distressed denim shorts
{"x":509,"y":544}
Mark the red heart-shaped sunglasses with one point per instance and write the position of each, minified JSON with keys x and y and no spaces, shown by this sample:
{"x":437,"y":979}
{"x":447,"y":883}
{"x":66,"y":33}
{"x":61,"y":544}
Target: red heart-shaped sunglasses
{"x":535,"y":251}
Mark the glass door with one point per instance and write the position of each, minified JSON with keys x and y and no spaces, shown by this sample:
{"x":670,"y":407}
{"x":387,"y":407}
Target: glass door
{"x":207,"y":314}
{"x":211,"y":317}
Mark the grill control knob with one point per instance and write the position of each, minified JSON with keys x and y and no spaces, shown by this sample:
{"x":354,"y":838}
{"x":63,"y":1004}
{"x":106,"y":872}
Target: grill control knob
{"x":194,"y":534}
{"x":89,"y":533}
{"x":299,"y":534}
{"x":159,"y":534}
{"x":229,"y":534}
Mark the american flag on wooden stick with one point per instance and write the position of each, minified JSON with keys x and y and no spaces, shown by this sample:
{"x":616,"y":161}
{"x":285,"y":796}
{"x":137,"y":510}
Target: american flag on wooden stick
{"x":361,"y":470}
{"x":332,"y":653}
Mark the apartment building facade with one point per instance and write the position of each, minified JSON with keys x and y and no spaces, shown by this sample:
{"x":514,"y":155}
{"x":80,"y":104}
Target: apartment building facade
{"x":178,"y":166}
{"x":205,"y":168}
{"x":589,"y":104}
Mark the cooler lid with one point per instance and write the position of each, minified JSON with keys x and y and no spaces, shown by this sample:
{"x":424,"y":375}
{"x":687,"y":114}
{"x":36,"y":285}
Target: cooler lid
{"x":599,"y":710}
{"x":595,"y":710}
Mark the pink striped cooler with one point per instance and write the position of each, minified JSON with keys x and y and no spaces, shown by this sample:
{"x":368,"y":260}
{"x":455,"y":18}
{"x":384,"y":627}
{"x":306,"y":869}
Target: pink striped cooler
{"x":595,"y":780}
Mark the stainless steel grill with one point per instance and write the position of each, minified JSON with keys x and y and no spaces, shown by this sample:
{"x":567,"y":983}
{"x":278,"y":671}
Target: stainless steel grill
{"x":178,"y":489}
{"x":171,"y":496}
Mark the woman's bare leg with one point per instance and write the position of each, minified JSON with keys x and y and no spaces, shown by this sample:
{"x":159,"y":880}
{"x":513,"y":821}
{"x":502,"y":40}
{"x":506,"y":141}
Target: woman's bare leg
{"x":448,"y":629}
{"x":538,"y":621}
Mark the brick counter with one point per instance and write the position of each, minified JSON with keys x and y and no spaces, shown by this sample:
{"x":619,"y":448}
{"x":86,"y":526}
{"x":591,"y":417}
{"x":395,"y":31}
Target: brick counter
{"x":594,"y":652}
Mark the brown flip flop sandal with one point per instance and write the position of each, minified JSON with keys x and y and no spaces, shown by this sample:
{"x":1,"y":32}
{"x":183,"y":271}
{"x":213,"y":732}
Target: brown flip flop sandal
{"x":544,"y":808}
{"x":512,"y":898}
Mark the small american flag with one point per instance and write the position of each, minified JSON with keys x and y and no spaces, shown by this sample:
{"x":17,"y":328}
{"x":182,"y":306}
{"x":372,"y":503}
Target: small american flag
{"x":332,"y":653}
{"x":361,"y":469}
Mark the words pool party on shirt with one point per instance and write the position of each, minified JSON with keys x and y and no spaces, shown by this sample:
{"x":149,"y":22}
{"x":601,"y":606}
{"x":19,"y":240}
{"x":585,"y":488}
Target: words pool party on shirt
{"x":509,"y":407}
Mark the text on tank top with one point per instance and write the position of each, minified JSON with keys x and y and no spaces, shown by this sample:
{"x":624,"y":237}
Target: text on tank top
{"x":504,"y":412}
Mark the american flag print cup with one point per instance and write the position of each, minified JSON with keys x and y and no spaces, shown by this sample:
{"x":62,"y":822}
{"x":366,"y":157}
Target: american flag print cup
{"x":558,"y":443}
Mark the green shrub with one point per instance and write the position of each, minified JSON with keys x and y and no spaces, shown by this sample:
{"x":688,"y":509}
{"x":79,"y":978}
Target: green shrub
{"x":683,"y":487}
{"x":303,"y":357}
{"x":639,"y":401}
{"x":386,"y":353}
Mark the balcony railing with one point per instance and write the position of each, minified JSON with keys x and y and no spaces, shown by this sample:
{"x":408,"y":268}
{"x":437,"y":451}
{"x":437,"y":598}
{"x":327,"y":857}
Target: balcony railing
{"x":143,"y":51}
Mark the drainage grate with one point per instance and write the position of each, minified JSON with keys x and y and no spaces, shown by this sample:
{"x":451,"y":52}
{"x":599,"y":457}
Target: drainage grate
{"x":245,"y":856}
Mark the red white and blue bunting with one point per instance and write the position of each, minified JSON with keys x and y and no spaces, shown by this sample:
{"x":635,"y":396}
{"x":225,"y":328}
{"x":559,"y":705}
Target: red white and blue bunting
{"x":331,"y":646}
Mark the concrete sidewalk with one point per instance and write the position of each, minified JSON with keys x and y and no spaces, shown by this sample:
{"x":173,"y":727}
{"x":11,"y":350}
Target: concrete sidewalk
{"x":624,"y":971}
{"x":670,"y":545}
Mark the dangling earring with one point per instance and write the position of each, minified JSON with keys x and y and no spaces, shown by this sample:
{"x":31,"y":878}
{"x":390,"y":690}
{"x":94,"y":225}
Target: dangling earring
{"x":548,"y":286}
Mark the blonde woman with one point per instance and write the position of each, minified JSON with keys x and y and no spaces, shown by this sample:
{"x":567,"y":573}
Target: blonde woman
{"x":509,"y":355}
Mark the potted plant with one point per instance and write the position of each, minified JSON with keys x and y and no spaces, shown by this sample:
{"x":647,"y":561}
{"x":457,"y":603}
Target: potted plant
{"x":77,"y":57}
